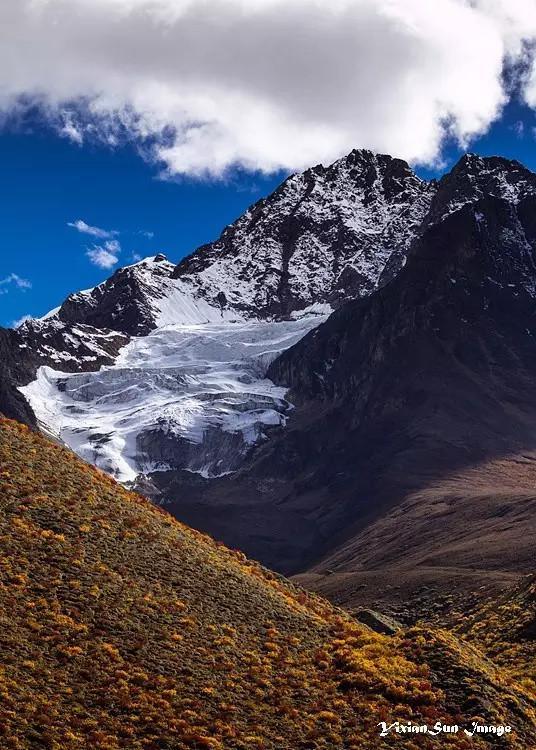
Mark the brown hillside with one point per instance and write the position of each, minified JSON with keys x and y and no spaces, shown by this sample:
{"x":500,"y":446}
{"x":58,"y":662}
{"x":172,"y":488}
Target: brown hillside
{"x":505,"y":630}
{"x":443,"y":549}
{"x":121,"y":628}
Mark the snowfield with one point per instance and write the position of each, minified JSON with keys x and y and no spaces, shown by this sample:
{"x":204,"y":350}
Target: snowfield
{"x":188,"y":396}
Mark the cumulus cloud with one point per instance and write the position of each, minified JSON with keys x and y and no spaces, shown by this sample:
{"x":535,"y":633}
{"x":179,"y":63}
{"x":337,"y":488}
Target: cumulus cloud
{"x":14,"y":281}
{"x":106,"y":255}
{"x":205,"y":85}
{"x":84,"y":228}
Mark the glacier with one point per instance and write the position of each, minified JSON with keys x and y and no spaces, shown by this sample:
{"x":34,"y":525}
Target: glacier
{"x":190,"y":396}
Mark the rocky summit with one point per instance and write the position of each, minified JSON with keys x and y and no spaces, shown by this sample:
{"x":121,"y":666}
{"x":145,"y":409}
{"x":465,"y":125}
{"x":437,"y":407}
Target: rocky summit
{"x":324,"y":236}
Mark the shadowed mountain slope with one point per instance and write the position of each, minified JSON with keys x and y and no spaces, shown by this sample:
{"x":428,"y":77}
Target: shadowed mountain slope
{"x":435,"y":378}
{"x":413,"y":440}
{"x":12,"y":402}
{"x":121,"y":628}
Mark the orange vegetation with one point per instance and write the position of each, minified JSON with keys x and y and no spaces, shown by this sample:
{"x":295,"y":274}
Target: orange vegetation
{"x":505,"y":630}
{"x":121,"y":628}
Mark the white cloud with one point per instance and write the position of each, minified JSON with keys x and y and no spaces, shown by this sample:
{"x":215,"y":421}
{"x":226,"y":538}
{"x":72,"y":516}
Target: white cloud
{"x":267,"y":84}
{"x":84,"y":228}
{"x":13,"y":280}
{"x":519,"y":128}
{"x":21,"y":321}
{"x":105,"y":256}
{"x":69,"y":130}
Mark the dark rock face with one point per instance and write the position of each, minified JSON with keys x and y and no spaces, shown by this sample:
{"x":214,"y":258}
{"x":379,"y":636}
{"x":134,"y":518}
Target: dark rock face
{"x":475,"y":177}
{"x":123,"y":302}
{"x":476,"y":268}
{"x":65,"y":347}
{"x":414,"y":404}
{"x":377,"y":621}
{"x":12,"y":403}
{"x":218,"y":448}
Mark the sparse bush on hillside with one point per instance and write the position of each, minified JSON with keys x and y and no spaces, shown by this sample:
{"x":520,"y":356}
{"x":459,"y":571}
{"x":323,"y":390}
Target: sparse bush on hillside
{"x":506,"y":631}
{"x":121,"y":629}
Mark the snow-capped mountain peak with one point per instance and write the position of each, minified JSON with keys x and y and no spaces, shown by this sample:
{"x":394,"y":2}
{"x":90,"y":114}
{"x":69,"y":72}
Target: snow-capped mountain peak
{"x":135,"y":300}
{"x":323,"y":236}
{"x":475,"y":177}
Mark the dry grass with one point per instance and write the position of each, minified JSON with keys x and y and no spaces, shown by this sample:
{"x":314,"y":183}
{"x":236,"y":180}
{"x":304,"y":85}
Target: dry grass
{"x":505,"y":629}
{"x":121,"y":628}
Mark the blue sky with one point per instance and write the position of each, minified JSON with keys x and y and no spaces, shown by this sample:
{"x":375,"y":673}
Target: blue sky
{"x":227,"y":97}
{"x":49,"y":181}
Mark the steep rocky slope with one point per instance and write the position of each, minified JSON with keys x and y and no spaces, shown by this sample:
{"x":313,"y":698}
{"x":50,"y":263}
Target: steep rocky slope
{"x":139,"y":298}
{"x":121,"y":628}
{"x":335,"y":233}
{"x":436,"y":374}
{"x":12,"y":402}
{"x":322,"y":236}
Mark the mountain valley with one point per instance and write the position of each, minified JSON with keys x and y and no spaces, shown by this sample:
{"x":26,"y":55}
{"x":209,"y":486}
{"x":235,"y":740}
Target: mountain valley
{"x":342,"y":386}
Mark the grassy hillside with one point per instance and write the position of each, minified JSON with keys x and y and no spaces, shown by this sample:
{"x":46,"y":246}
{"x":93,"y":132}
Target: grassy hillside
{"x":505,"y":630}
{"x":121,"y":628}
